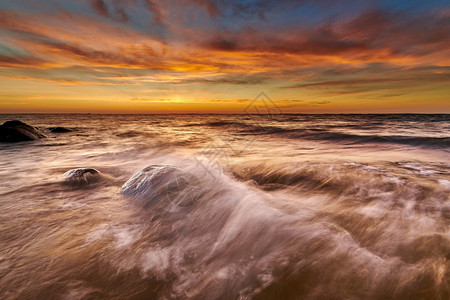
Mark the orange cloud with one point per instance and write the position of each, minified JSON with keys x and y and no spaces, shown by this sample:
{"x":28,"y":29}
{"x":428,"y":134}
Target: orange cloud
{"x":374,"y":50}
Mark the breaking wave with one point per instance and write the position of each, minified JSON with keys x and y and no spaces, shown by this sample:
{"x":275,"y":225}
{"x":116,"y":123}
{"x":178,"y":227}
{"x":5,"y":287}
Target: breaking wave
{"x":277,"y":225}
{"x":319,"y":134}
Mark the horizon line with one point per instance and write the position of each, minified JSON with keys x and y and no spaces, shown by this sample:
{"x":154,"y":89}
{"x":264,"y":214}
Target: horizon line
{"x":223,"y":113}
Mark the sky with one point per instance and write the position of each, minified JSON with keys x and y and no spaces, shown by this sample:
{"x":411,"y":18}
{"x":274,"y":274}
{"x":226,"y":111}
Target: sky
{"x":216,"y":56}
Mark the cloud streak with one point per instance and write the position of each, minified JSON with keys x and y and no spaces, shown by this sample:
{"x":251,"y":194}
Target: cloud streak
{"x":294,"y":48}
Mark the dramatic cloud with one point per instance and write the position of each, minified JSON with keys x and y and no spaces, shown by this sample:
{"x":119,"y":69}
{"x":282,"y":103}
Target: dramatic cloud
{"x":100,"y":7}
{"x":118,"y":12}
{"x":318,"y":50}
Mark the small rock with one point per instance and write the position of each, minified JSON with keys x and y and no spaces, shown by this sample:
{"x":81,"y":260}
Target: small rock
{"x":17,"y":131}
{"x":81,"y":176}
{"x":59,"y":129}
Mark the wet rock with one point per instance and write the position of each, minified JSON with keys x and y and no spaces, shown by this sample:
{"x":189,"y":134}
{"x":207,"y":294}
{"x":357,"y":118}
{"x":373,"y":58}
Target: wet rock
{"x":59,"y":129}
{"x":17,"y":131}
{"x":157,"y":183}
{"x":81,"y":176}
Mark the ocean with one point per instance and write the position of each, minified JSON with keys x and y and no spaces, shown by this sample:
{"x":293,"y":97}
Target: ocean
{"x":286,"y":206}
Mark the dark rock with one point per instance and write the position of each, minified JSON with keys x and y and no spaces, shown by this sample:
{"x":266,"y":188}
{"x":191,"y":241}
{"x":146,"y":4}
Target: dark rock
{"x":156,"y":183}
{"x":17,"y":131}
{"x":14,"y":123}
{"x":59,"y":129}
{"x":81,"y":176}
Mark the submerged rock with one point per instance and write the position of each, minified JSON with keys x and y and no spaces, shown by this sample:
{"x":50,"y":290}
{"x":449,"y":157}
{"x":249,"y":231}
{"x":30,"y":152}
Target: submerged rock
{"x":81,"y":176}
{"x":163,"y":182}
{"x":17,"y":131}
{"x":59,"y":129}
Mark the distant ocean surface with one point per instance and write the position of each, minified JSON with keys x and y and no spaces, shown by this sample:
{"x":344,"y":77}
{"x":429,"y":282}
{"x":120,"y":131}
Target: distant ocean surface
{"x":292,"y":207}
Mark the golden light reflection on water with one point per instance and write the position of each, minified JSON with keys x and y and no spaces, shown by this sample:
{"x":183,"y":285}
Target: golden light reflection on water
{"x":283,"y":199}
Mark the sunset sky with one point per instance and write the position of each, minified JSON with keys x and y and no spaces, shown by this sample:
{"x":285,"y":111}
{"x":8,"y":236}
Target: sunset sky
{"x":147,"y":56}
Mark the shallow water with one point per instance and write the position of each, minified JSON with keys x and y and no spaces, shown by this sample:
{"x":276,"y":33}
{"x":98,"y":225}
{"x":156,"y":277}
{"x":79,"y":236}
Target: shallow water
{"x":291,"y":207}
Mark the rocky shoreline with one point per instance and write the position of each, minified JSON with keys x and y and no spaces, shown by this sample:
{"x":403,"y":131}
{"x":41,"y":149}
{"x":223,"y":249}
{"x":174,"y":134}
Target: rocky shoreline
{"x":17,"y":131}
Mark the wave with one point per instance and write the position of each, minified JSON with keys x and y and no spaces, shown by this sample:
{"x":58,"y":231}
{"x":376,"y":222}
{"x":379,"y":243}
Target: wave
{"x":320,"y":134}
{"x":240,"y":242}
{"x":290,"y":227}
{"x":376,"y":235}
{"x":440,"y":142}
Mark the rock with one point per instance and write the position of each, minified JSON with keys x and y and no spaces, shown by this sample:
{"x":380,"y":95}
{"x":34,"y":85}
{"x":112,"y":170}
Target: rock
{"x":157,"y":183}
{"x":81,"y":176}
{"x":59,"y":129}
{"x":17,"y":131}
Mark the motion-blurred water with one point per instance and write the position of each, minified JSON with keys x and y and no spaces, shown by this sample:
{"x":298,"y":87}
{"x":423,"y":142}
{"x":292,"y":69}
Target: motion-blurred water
{"x":292,"y":207}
